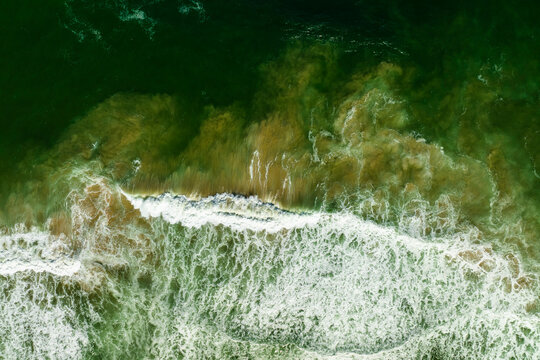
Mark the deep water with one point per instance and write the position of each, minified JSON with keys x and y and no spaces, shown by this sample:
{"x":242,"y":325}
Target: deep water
{"x":191,"y":179}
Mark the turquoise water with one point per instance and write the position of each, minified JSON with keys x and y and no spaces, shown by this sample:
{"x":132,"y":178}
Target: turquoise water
{"x":269,"y":180}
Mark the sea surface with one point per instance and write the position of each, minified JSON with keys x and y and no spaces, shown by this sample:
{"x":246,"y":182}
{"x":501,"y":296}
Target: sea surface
{"x":203,"y":179}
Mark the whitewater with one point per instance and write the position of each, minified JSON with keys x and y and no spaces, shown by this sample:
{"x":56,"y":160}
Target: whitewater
{"x":235,"y":275}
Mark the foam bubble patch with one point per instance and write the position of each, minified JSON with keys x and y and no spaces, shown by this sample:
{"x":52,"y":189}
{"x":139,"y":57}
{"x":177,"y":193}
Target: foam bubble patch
{"x":38,"y":252}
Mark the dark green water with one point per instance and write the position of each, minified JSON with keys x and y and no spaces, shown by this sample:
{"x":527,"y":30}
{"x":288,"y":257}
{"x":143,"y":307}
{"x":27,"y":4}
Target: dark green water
{"x":408,"y":132}
{"x":61,"y":58}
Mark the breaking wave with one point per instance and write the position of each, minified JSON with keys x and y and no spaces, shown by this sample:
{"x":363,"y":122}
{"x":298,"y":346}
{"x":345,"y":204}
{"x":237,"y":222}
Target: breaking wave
{"x":230,"y":275}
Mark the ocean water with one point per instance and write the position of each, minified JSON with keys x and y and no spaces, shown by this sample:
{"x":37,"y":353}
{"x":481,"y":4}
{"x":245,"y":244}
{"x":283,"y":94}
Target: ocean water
{"x":196,"y":179}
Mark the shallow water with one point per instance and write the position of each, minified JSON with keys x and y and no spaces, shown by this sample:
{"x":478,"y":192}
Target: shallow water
{"x":279,"y":180}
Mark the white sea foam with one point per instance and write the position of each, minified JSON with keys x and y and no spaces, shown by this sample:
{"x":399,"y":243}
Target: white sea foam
{"x":339,"y":286}
{"x":236,"y":212}
{"x":249,"y":276}
{"x":36,"y":323}
{"x":139,"y":16}
{"x":35,"y":251}
{"x":82,"y":29}
{"x":188,"y":6}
